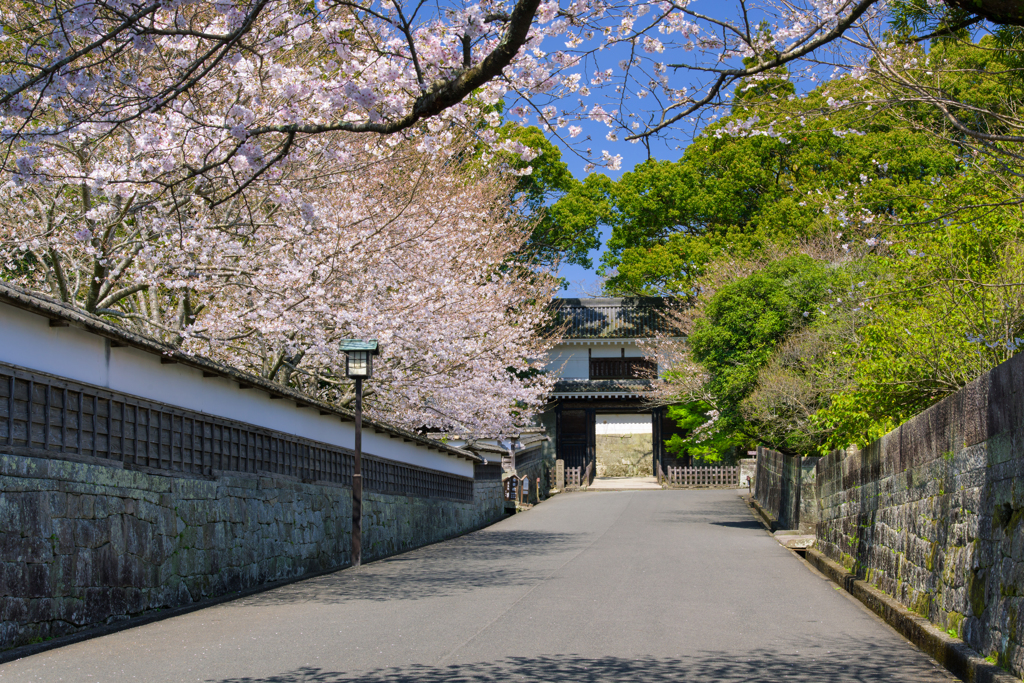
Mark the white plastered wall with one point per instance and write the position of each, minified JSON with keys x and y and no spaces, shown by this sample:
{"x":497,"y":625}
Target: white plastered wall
{"x":569,"y":361}
{"x":572,"y":361}
{"x":624,"y":423}
{"x":28,"y":341}
{"x":614,"y":350}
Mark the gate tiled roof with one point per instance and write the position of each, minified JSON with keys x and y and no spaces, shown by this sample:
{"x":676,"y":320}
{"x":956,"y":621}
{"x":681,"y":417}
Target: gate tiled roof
{"x":611,"y":318}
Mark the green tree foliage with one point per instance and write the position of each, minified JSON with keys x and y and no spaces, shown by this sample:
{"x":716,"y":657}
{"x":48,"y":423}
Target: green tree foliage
{"x":745,"y":320}
{"x":917,"y":282}
{"x":551,"y":197}
{"x":702,"y":438}
{"x":949,"y":307}
{"x":900,"y":327}
{"x":734,"y":195}
{"x":742,"y":325}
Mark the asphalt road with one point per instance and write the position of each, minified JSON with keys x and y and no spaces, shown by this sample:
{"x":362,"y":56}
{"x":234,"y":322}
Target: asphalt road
{"x":645,"y":586}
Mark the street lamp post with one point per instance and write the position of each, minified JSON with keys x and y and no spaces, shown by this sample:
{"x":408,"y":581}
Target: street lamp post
{"x":358,"y":366}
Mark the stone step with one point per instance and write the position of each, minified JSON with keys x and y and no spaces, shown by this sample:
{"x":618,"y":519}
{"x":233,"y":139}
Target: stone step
{"x":625,"y":484}
{"x":794,"y":540}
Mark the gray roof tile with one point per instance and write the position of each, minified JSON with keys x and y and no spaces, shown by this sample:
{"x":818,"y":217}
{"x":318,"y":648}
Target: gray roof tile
{"x":612,"y":318}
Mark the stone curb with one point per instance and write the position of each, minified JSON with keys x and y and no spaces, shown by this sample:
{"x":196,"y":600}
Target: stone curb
{"x":765,"y":518}
{"x":952,"y":653}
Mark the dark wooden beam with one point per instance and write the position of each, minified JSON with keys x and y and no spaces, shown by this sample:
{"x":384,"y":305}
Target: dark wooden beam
{"x":58,"y":323}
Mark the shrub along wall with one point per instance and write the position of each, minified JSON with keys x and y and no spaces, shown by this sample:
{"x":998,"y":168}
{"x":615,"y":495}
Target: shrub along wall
{"x":932,"y":513}
{"x":87,"y":544}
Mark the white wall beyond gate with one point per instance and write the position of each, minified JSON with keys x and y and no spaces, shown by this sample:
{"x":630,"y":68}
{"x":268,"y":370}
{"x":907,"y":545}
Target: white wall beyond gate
{"x":624,"y":423}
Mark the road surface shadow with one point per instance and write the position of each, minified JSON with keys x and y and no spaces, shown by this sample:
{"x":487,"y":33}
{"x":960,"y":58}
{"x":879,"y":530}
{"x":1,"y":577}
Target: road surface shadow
{"x":480,"y":560}
{"x":758,"y":666}
{"x":744,"y":524}
{"x":730,"y":512}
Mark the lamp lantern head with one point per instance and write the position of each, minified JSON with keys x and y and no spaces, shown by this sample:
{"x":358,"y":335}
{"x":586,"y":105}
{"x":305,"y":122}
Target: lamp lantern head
{"x":359,"y":357}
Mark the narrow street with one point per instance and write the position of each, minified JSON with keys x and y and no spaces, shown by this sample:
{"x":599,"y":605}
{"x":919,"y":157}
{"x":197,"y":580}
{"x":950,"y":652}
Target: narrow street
{"x":598,"y":586}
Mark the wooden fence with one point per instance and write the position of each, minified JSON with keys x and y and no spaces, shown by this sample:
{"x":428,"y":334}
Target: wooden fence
{"x":577,"y":477}
{"x":572,"y":477}
{"x":709,"y":477}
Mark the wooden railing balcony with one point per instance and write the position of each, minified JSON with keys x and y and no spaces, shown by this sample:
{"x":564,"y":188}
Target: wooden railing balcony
{"x":623,"y":368}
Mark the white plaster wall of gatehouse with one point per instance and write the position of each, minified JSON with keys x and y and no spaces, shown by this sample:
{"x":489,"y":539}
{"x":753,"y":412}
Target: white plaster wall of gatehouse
{"x":623,"y":423}
{"x":615,"y":350}
{"x":27,"y":340}
{"x":570,"y":359}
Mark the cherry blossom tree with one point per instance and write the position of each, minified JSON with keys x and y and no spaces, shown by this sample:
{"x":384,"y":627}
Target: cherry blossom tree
{"x":254,"y":77}
{"x":405,"y":251}
{"x":403,"y":245}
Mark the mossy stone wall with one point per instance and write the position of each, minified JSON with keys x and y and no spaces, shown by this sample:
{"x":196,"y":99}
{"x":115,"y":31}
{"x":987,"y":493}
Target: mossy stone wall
{"x":89,"y":544}
{"x":933,"y":513}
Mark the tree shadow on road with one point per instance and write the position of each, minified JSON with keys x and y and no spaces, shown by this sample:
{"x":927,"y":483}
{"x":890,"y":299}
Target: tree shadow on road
{"x":757,"y":666}
{"x":711,"y":512}
{"x":480,"y":560}
{"x":741,"y":524}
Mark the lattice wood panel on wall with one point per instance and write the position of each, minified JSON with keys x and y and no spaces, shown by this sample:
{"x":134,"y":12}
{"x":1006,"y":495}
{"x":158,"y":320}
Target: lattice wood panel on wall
{"x":47,"y":416}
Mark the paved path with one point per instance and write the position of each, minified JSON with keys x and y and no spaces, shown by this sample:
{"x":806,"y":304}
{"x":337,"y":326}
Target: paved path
{"x":644,"y":586}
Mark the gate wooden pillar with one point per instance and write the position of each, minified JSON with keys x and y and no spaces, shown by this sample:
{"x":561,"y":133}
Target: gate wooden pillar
{"x":592,"y":443}
{"x":657,"y":441}
{"x":558,"y":431}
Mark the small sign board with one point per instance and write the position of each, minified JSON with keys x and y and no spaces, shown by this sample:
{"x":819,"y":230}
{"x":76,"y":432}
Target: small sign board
{"x":511,"y":484}
{"x":559,"y":474}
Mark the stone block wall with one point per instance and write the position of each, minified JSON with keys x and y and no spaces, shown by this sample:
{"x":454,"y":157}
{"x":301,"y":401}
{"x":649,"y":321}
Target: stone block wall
{"x":88,"y":544}
{"x":809,"y":512}
{"x":624,"y":455}
{"x":785,"y":489}
{"x":773,"y":487}
{"x":932,"y":513}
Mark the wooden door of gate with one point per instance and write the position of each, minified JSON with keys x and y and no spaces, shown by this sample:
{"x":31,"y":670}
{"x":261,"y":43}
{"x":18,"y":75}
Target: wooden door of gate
{"x":577,"y":437}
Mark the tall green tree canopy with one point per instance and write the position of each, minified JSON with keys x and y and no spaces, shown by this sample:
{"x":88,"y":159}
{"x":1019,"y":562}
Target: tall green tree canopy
{"x":913,"y":240}
{"x":735,"y":193}
{"x":550,"y":197}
